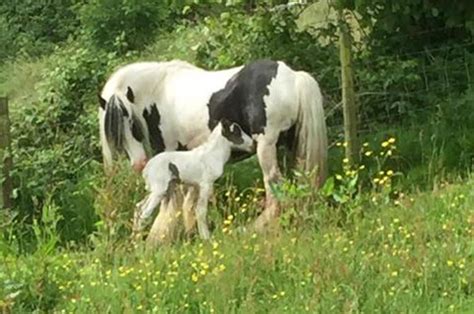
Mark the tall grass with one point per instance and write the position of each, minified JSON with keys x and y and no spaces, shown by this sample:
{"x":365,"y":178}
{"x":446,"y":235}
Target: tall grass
{"x":415,"y":255}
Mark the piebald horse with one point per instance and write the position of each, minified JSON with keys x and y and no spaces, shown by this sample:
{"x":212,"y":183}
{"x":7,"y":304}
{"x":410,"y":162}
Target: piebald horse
{"x":200,"y":167}
{"x":150,"y":107}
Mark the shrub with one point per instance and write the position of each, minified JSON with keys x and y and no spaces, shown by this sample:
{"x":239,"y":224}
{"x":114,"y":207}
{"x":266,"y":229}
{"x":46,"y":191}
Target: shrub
{"x":55,"y":140}
{"x":123,"y":25}
{"x":33,"y":27}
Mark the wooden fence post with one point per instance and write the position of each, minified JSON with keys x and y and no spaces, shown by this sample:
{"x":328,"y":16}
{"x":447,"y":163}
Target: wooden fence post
{"x":5,"y":156}
{"x":348,"y":92}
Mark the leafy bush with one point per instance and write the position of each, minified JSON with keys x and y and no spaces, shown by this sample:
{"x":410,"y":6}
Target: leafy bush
{"x":33,"y":27}
{"x":55,"y":140}
{"x":123,"y":25}
{"x":234,"y":38}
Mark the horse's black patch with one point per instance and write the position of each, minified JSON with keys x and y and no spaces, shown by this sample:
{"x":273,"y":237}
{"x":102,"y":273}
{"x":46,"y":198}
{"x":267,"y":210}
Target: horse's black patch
{"x":152,"y":119}
{"x":241,"y":100}
{"x":181,"y":147}
{"x":130,"y":95}
{"x":102,"y":102}
{"x":137,"y":131}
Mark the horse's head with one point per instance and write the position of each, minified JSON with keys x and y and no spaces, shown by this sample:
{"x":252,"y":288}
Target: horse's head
{"x":121,"y":129}
{"x":238,"y":138}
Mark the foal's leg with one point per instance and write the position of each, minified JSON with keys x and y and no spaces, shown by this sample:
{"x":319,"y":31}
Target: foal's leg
{"x":267,"y":157}
{"x":138,"y":209}
{"x":147,"y":209}
{"x":201,"y":210}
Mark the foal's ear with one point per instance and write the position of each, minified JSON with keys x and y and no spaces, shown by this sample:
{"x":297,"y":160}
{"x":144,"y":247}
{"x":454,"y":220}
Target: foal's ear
{"x":130,"y":95}
{"x":236,"y":129}
{"x":102,"y":101}
{"x":226,"y":124}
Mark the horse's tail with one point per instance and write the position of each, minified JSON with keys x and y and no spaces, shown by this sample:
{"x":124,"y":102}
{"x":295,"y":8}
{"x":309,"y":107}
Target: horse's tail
{"x":312,"y":145}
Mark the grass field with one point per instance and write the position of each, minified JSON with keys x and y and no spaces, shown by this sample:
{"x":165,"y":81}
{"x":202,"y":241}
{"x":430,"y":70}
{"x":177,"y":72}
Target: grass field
{"x":415,"y":256}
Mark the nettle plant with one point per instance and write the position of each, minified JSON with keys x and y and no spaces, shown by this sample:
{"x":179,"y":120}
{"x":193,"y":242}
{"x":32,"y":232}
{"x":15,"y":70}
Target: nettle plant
{"x":374,"y":174}
{"x":372,"y":181}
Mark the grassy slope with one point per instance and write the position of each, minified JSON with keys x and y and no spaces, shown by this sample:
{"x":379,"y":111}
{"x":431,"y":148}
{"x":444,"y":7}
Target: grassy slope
{"x":416,"y":257}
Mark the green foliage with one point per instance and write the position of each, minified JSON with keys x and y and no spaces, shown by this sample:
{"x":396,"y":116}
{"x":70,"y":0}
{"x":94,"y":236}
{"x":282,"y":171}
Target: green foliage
{"x":409,"y":17}
{"x":32,"y":27}
{"x":415,"y":256}
{"x":55,"y":140}
{"x":234,"y":37}
{"x":123,"y":25}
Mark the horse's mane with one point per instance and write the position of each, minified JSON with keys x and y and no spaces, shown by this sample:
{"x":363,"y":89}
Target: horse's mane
{"x":113,"y":124}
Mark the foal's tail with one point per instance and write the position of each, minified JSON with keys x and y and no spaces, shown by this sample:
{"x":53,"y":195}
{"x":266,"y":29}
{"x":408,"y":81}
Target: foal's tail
{"x":312,"y":149}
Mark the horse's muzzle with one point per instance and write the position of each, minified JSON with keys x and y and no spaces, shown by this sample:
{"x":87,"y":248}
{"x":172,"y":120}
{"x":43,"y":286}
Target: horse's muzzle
{"x":139,"y":165}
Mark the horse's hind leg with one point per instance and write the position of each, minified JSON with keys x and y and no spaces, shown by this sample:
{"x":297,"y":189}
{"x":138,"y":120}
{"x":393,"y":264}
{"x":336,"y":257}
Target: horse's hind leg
{"x":267,"y":157}
{"x":201,"y":210}
{"x":189,"y":218}
{"x":165,"y":225}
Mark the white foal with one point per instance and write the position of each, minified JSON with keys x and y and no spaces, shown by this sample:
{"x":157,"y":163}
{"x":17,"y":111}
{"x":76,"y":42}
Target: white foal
{"x":201,"y":167}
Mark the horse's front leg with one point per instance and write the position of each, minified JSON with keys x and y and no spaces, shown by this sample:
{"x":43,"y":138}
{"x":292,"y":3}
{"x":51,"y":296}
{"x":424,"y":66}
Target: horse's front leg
{"x":267,"y":157}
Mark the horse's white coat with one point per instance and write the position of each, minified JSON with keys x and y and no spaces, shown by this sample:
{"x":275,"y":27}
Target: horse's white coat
{"x":182,"y":92}
{"x":200,"y":167}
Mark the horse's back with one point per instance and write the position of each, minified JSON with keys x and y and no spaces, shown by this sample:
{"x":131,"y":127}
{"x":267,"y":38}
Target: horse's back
{"x":260,"y":96}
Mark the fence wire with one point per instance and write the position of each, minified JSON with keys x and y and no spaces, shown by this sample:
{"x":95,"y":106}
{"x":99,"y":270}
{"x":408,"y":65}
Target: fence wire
{"x":435,"y":77}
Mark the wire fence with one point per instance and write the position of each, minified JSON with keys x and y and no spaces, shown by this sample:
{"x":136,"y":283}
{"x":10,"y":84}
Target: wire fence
{"x":435,"y":75}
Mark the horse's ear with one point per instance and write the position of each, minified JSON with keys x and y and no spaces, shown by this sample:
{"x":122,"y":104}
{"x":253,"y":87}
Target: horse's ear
{"x":130,"y":95}
{"x":102,"y":101}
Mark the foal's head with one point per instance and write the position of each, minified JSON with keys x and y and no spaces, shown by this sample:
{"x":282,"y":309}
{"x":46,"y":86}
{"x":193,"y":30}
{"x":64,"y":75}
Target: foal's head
{"x":123,"y":129}
{"x":236,"y":136}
